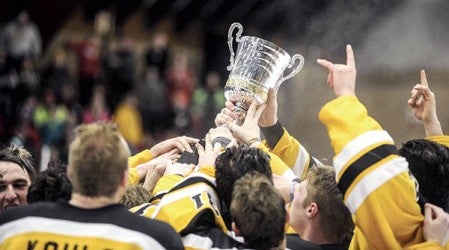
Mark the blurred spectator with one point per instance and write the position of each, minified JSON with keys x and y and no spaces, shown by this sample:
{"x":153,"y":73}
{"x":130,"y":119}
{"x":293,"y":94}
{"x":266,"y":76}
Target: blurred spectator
{"x":120,"y":68}
{"x":21,"y":39}
{"x":89,"y":65}
{"x":28,"y":80}
{"x":153,"y":102}
{"x":50,"y":118}
{"x":180,"y":81}
{"x":207,"y":103}
{"x":157,"y":54}
{"x":57,"y":74}
{"x":97,"y":110}
{"x":129,"y":121}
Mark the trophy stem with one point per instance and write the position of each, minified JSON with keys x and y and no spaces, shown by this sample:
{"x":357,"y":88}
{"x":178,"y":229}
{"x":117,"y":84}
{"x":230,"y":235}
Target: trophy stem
{"x":240,"y":109}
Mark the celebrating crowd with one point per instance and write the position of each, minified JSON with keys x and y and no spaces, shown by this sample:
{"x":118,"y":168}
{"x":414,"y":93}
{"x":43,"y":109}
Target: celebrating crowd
{"x":233,"y":190}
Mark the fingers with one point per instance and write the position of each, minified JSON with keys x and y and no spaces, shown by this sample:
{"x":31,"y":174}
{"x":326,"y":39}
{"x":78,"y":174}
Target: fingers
{"x":233,"y":143}
{"x":226,"y":115}
{"x":437,"y":212}
{"x":427,"y":212}
{"x":424,"y":78}
{"x":200,"y":150}
{"x":329,"y":79}
{"x":259,"y":111}
{"x":190,"y":140}
{"x":350,"y":61}
{"x":153,"y":176}
{"x":208,"y":142}
{"x":421,"y":93}
{"x":229,"y":105}
{"x":185,"y":143}
{"x":251,"y":113}
{"x":272,"y":94}
{"x":325,"y":63}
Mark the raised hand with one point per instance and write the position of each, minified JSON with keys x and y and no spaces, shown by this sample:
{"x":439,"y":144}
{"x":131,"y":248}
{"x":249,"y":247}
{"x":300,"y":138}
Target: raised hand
{"x":147,"y":168}
{"x":436,"y":224}
{"x":181,"y":143}
{"x":177,"y":168}
{"x":423,"y":106}
{"x":208,"y":154}
{"x":152,"y":177}
{"x":250,"y":128}
{"x":341,"y":77}
{"x":226,"y":115}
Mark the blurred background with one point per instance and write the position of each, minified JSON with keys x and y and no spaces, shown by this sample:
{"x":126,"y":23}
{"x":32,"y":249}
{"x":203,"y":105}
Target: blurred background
{"x":157,"y":67}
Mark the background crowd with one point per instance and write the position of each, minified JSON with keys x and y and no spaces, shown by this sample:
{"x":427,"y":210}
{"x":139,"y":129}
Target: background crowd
{"x":151,"y":96}
{"x":222,"y":188}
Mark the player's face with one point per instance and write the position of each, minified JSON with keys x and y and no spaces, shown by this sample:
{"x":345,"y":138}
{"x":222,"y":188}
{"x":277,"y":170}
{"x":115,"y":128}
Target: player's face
{"x":298,"y":217}
{"x":14,"y":184}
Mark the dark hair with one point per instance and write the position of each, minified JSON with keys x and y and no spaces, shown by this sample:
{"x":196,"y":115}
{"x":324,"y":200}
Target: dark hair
{"x":429,"y":163}
{"x":234,"y":163}
{"x":21,"y":157}
{"x":51,"y":184}
{"x":258,"y":210}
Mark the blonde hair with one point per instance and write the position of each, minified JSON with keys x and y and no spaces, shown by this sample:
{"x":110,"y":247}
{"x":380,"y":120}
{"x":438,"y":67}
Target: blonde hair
{"x":135,"y":195}
{"x":98,"y":158}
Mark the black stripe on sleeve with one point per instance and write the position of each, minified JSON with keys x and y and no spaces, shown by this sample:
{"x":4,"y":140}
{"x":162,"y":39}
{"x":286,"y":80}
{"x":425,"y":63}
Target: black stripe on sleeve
{"x":273,"y":134}
{"x":367,"y":160}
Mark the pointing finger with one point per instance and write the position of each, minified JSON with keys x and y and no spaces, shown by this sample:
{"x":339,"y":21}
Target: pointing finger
{"x":424,"y":78}
{"x":350,"y":61}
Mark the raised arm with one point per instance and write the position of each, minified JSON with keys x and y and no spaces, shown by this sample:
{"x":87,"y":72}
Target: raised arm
{"x":372,"y":176}
{"x":423,"y":106}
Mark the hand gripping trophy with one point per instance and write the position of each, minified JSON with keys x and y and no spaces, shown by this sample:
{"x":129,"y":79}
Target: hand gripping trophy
{"x":257,"y":66}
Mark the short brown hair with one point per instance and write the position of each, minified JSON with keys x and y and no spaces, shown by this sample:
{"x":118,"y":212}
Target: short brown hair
{"x":322,"y":189}
{"x":98,"y":157}
{"x":21,"y":157}
{"x":258,"y":210}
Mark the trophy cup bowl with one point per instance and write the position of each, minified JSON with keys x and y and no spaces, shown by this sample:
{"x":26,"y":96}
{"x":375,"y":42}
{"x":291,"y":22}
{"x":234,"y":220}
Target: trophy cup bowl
{"x":257,"y":66}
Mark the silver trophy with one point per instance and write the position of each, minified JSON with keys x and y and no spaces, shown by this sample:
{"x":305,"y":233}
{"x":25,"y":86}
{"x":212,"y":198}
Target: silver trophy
{"x":257,"y":66}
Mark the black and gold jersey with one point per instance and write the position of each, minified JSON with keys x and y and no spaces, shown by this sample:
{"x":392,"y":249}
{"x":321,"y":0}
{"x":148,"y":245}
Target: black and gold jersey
{"x":62,"y":226}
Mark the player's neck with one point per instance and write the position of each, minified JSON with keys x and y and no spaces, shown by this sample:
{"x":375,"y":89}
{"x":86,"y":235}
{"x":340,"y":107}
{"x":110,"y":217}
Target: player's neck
{"x":82,"y":201}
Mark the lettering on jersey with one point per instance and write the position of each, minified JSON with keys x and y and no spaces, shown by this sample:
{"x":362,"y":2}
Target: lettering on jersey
{"x":31,"y":244}
{"x":197,"y":199}
{"x":52,"y":245}
{"x":213,"y":204}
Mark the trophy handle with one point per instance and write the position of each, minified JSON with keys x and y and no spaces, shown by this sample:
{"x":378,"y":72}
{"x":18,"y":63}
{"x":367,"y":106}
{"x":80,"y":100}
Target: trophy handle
{"x":294,"y":70}
{"x":237,"y":39}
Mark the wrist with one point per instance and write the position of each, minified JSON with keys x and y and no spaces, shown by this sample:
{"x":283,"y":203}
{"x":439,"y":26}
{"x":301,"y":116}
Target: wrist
{"x":271,"y":123}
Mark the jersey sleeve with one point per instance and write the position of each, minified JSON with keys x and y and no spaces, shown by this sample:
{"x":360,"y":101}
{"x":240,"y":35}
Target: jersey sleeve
{"x":289,"y":150}
{"x":278,"y":166}
{"x":134,"y":161}
{"x":373,"y":178}
{"x":441,"y":139}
